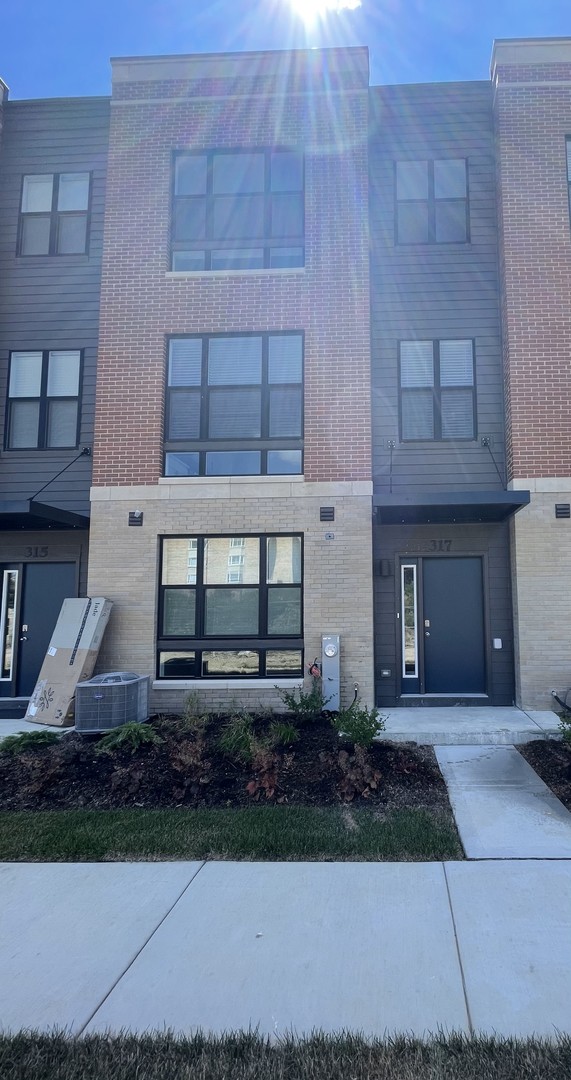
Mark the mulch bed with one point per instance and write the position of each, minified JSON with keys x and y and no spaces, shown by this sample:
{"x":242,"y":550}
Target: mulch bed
{"x":552,"y":762}
{"x":190,"y":772}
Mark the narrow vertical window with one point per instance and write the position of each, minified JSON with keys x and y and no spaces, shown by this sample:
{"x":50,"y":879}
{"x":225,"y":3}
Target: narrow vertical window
{"x":409,"y":622}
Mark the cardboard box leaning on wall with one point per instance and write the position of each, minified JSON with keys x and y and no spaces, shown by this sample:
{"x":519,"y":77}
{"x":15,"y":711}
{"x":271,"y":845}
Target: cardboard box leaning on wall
{"x":71,"y":658}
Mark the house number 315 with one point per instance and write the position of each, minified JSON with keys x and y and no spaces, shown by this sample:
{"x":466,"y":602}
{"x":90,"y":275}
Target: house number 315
{"x":36,"y":552}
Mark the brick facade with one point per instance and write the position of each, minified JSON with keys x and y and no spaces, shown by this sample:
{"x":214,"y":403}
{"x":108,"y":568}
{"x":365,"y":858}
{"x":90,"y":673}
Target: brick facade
{"x":141,"y":302}
{"x":532,"y":81}
{"x":533,"y":118}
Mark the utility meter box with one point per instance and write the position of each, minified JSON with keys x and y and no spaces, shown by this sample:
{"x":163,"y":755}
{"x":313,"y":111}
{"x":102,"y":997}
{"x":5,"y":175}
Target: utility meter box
{"x":331,"y":671}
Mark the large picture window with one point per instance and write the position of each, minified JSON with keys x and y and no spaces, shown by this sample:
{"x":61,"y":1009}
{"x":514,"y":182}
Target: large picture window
{"x":53,"y":214}
{"x":238,"y":210}
{"x":43,"y":400}
{"x":230,"y":607}
{"x":437,"y":390}
{"x":234,"y":405}
{"x":432,"y":202}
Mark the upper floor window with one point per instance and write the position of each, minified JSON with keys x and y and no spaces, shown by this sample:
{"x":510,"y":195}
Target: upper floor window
{"x":53,"y":214}
{"x":437,"y":391}
{"x":238,"y":210}
{"x":234,"y":405}
{"x":43,"y":400}
{"x":432,"y":201}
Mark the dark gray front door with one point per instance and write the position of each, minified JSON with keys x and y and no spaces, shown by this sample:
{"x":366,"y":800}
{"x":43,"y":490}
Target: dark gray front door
{"x":453,"y":618}
{"x":442,"y":626}
{"x":45,"y":587}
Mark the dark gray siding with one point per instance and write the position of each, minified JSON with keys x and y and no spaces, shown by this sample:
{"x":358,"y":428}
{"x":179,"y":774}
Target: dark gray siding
{"x":489,"y":541}
{"x":51,"y":302}
{"x":438,"y":290}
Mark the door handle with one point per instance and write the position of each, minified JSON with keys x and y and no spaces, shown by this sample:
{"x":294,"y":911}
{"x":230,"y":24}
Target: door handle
{"x":427,"y":633}
{"x":23,"y":639}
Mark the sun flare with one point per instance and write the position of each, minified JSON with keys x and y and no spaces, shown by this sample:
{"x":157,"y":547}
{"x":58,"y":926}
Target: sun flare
{"x":312,"y":10}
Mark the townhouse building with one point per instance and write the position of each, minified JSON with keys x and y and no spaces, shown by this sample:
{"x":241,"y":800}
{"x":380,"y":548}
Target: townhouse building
{"x":331,"y":324}
{"x":52,"y":188}
{"x":231,"y":499}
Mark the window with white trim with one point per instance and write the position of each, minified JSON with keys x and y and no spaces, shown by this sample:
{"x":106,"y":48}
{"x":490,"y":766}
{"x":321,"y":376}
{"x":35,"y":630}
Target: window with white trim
{"x":53,"y":214}
{"x":234,"y":405}
{"x":43,"y":400}
{"x":437,"y":390}
{"x":432,"y":201}
{"x":238,"y":210}
{"x":217,"y":622}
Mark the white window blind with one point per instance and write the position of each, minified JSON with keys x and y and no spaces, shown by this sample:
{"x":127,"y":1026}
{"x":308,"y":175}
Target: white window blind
{"x":25,"y":374}
{"x":417,"y":363}
{"x":456,"y":363}
{"x":185,"y":362}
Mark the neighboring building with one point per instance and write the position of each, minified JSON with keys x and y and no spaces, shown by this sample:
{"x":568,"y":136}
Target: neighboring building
{"x":532,"y":95}
{"x":327,"y":378}
{"x":52,"y":187}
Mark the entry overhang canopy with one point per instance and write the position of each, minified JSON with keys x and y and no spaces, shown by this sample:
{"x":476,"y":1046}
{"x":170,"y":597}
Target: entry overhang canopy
{"x":30,"y":514}
{"x":447,"y":508}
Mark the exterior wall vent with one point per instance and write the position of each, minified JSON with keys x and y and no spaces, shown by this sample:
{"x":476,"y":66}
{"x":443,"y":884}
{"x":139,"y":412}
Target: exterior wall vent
{"x":563,"y":510}
{"x":327,"y":513}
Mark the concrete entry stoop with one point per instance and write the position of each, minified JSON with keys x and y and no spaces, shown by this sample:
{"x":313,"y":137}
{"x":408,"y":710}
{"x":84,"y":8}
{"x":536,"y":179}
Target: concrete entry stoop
{"x":464,"y":725}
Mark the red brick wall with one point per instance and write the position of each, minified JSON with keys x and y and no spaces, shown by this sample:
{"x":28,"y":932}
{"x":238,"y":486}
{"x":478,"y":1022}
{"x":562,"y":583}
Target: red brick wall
{"x":532,"y":122}
{"x":140,"y":305}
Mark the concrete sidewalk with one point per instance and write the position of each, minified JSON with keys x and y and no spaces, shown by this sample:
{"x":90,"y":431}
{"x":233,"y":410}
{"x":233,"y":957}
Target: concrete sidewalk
{"x":372,"y":947}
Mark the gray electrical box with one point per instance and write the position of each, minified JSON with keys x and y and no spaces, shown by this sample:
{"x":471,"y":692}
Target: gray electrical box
{"x":330,"y":671}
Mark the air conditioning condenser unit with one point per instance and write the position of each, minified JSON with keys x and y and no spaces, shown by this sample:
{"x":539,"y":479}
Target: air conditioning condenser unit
{"x":107,"y":701}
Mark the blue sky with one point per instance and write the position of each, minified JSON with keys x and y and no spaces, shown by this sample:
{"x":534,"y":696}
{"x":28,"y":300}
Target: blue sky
{"x":62,"y":47}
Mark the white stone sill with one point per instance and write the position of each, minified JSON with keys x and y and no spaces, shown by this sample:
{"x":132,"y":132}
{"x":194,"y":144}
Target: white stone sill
{"x":205,"y":481}
{"x":209,"y":275}
{"x":226,"y":684}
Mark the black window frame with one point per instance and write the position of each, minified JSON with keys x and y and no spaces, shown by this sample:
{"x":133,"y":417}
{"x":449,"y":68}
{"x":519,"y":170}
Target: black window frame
{"x":209,"y":244}
{"x":262,"y":642}
{"x":437,"y":393}
{"x":265,"y":442}
{"x":55,"y":215}
{"x":431,"y":202}
{"x":44,"y":402}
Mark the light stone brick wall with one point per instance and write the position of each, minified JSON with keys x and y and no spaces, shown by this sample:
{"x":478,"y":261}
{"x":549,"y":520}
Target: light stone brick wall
{"x":338,"y":594}
{"x":541,"y":585}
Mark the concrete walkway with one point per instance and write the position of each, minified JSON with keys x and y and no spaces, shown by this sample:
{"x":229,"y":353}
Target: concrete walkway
{"x":372,"y":947}
{"x":503,"y":809}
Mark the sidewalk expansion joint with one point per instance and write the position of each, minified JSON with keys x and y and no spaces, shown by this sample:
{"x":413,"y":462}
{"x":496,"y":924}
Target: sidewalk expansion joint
{"x":139,"y":951}
{"x":458,"y":953}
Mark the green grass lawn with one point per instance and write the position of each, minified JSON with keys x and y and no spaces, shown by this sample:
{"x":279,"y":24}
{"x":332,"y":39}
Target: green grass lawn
{"x":260,"y":832}
{"x":247,"y":1057}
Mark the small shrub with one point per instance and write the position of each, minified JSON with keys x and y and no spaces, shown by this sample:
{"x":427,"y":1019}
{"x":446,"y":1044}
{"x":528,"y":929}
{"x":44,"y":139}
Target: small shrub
{"x":28,"y":740}
{"x":304,"y":706}
{"x":129,"y":736}
{"x":565,"y":725}
{"x":359,"y":777}
{"x":282,"y":734}
{"x":265,"y":764}
{"x":237,"y":739}
{"x":358,"y":724}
